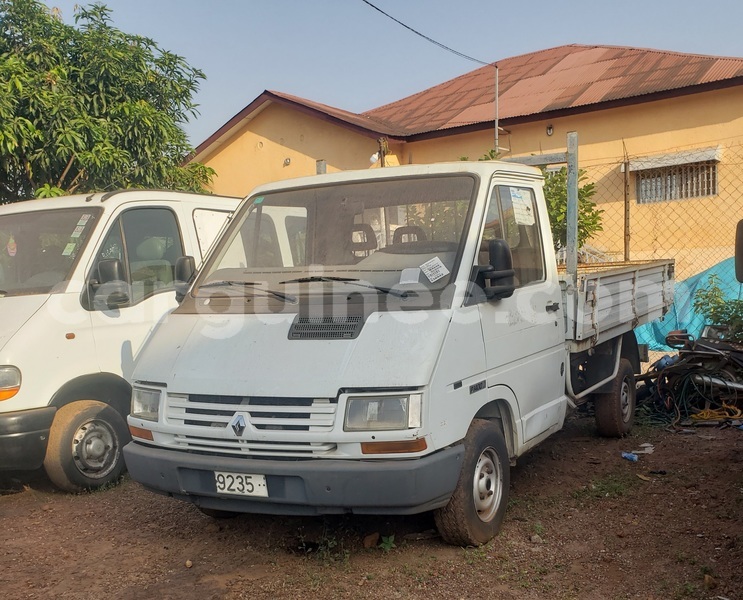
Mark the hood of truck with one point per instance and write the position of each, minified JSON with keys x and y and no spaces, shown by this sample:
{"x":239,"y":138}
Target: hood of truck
{"x":15,"y":311}
{"x":251,"y":355}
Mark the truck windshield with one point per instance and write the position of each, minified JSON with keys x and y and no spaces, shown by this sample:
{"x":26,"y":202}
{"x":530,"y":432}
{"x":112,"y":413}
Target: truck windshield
{"x":393,"y":237}
{"x":38,"y":249}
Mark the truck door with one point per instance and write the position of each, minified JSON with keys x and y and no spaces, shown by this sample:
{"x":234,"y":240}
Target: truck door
{"x":523,"y":334}
{"x":147,"y":241}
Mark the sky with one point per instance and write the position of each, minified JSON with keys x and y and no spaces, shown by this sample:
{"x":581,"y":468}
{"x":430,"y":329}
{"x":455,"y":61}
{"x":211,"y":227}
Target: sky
{"x":346,"y":54}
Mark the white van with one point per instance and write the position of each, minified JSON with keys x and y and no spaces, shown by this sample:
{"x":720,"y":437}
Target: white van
{"x":83,"y":281}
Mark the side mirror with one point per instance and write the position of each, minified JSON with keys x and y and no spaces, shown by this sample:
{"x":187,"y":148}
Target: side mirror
{"x":112,"y":291}
{"x":185,"y":268}
{"x":501,"y":277}
{"x":739,"y":252}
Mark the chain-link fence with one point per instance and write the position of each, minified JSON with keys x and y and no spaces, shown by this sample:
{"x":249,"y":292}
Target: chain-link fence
{"x":682,"y":204}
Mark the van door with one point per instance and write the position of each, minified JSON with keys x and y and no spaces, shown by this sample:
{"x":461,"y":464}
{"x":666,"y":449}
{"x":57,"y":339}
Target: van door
{"x":147,"y":241}
{"x":523,"y":334}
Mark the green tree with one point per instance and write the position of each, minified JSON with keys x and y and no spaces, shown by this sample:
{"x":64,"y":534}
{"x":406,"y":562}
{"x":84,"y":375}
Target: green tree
{"x":717,"y":309}
{"x":556,"y":195}
{"x":88,"y":107}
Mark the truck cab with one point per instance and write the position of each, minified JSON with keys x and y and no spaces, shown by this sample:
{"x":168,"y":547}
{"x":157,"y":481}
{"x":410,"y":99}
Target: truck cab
{"x":83,"y":281}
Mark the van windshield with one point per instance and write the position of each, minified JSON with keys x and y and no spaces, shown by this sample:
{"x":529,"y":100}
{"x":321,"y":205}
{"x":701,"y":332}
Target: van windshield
{"x":398,"y":236}
{"x":39,"y":249}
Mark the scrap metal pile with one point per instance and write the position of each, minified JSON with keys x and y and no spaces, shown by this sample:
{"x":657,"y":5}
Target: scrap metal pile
{"x":702,"y":385}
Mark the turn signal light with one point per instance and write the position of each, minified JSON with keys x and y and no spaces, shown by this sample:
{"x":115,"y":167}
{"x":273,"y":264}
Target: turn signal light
{"x":8,"y":393}
{"x":417,"y":445}
{"x":138,"y":432}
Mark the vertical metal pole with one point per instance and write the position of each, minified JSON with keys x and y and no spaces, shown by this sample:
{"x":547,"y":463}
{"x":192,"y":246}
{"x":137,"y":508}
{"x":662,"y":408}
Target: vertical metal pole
{"x":572,"y":208}
{"x":626,"y":209}
{"x":497,"y":140}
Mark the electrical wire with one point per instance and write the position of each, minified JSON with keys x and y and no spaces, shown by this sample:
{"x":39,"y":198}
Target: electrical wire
{"x":428,"y":39}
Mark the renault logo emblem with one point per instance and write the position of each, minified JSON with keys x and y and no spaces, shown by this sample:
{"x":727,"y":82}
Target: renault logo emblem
{"x":238,"y":424}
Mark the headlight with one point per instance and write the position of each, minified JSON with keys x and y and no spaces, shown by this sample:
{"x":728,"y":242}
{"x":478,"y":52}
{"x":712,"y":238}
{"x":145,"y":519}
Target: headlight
{"x":10,"y":382}
{"x":146,"y":403}
{"x":383,"y":413}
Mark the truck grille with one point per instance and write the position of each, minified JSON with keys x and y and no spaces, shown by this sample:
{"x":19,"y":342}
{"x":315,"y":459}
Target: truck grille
{"x":210,"y":416}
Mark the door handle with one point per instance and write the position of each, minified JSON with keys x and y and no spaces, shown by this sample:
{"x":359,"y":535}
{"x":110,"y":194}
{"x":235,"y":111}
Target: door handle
{"x":552,"y":307}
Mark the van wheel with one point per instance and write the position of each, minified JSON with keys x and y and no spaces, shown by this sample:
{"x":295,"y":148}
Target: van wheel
{"x":615,"y":409}
{"x":85,"y":446}
{"x":476,"y":509}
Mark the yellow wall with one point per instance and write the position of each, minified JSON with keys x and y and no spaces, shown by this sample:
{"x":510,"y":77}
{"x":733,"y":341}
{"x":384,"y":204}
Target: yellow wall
{"x":257,"y":152}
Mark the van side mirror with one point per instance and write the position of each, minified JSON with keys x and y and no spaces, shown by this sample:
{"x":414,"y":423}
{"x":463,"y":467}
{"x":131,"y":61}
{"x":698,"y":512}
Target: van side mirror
{"x":739,"y":252}
{"x":501,"y":277}
{"x":112,"y":290}
{"x":185,"y":268}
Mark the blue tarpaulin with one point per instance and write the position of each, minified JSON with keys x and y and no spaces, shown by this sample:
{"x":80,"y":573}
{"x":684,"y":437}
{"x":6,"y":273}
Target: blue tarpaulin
{"x":682,"y":314}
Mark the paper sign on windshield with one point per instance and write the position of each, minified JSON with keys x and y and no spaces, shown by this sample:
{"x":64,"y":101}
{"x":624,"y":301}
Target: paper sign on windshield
{"x":523,"y":211}
{"x":434,"y":269}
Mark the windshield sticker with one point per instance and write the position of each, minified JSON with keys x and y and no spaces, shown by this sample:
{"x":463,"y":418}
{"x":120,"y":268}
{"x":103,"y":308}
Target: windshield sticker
{"x":78,"y":231}
{"x":11,"y":247}
{"x":258,"y":200}
{"x":411,"y":275}
{"x":523,"y":211}
{"x":69,"y":249}
{"x":84,"y":219}
{"x":434,"y":269}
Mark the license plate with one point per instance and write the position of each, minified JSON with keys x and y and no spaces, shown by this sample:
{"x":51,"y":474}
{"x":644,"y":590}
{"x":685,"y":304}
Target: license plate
{"x":241,"y":484}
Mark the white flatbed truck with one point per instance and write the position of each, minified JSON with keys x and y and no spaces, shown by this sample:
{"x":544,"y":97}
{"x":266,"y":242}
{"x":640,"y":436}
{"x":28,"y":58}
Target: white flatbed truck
{"x":384,"y":342}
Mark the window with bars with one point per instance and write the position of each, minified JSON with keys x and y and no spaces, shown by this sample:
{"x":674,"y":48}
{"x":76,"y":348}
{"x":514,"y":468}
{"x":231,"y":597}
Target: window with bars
{"x":677,"y":182}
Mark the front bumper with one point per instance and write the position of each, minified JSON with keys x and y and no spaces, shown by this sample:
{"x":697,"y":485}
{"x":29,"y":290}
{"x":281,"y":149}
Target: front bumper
{"x":23,"y":438}
{"x":303,"y":487}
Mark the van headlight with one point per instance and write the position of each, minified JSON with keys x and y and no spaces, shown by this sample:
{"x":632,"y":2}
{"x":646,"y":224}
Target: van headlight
{"x":383,"y":413}
{"x":10,"y":382}
{"x":146,"y":403}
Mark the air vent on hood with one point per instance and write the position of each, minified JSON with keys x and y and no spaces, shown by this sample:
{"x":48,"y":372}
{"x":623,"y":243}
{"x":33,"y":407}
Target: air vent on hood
{"x":326,"y":328}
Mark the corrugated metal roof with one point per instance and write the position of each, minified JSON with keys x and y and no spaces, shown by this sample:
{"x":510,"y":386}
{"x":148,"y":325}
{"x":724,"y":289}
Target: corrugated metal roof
{"x":566,"y":77}
{"x":560,"y":78}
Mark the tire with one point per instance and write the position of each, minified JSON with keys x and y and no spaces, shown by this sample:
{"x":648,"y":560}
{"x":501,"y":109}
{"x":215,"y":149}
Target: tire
{"x":615,"y":409}
{"x":476,"y":509}
{"x":85,"y":446}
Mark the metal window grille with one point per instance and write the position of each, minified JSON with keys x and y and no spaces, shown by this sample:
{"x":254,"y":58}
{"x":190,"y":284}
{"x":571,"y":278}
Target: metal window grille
{"x":677,"y":182}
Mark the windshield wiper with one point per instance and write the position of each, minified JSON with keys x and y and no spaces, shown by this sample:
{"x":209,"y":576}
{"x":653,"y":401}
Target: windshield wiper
{"x":315,"y":278}
{"x":250,"y":285}
{"x":350,"y":281}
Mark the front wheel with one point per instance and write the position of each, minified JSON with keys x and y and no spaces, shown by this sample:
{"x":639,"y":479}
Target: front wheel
{"x":476,"y":509}
{"x":615,"y":409}
{"x":85,"y":446}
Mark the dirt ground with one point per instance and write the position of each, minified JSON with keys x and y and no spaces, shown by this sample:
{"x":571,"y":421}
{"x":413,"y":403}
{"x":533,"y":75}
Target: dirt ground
{"x":582,"y":523}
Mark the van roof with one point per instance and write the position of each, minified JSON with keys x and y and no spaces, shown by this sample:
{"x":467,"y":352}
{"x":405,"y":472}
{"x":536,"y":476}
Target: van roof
{"x":116,"y":198}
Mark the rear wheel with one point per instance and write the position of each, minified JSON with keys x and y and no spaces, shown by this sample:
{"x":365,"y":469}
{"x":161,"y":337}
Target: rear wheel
{"x":476,"y":509}
{"x":85,"y":446}
{"x":615,"y":409}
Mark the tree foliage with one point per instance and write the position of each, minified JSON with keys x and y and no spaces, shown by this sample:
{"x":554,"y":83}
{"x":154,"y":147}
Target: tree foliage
{"x":88,"y":107}
{"x":556,"y":195}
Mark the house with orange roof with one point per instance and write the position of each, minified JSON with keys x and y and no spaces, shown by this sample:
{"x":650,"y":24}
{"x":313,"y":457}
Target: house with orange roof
{"x":660,"y":136}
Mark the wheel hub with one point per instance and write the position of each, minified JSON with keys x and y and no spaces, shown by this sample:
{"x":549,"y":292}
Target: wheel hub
{"x":94,"y":449}
{"x":487,"y":485}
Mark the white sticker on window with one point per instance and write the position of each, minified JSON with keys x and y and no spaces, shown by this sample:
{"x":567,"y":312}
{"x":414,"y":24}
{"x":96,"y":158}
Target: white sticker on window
{"x":411,"y":275}
{"x":523,"y":211}
{"x":434,"y":269}
{"x":69,"y":249}
{"x":78,"y":231}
